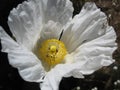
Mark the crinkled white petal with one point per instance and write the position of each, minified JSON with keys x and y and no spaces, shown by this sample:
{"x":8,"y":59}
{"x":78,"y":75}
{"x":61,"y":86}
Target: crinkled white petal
{"x":59,"y":11}
{"x":53,"y":77}
{"x":25,"y":22}
{"x":28,"y":18}
{"x":26,"y":62}
{"x":89,"y":24}
{"x":50,"y":30}
{"x":96,"y":53}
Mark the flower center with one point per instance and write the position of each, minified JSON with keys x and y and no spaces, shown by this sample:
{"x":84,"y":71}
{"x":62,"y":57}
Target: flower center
{"x":52,"y":52}
{"x":53,"y":48}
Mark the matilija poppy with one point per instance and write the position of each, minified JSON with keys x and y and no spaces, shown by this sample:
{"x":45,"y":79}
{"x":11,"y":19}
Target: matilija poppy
{"x":49,"y":44}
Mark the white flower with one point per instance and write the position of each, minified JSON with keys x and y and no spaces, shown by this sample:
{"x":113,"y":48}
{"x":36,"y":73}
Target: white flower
{"x":89,"y":41}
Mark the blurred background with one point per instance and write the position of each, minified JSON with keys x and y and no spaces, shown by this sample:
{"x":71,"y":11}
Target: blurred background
{"x":107,"y":78}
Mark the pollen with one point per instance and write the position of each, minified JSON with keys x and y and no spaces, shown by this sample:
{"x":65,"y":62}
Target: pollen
{"x":53,"y":48}
{"x":52,"y":52}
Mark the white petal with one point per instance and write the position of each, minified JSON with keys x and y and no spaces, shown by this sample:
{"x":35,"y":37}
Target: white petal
{"x":51,"y":30}
{"x":59,"y":11}
{"x":84,"y":27}
{"x":97,"y":53}
{"x":53,"y":77}
{"x":28,"y":65}
{"x":27,"y":19}
{"x":25,"y":22}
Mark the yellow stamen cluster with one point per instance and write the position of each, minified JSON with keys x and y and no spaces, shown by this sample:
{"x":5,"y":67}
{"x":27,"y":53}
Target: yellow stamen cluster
{"x":52,"y":52}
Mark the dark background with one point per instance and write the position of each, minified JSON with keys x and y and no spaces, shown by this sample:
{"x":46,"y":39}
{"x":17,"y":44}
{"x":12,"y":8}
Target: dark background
{"x":103,"y":79}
